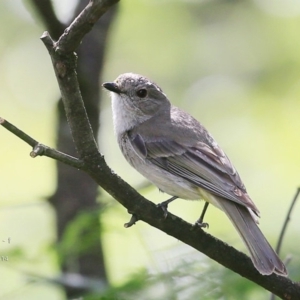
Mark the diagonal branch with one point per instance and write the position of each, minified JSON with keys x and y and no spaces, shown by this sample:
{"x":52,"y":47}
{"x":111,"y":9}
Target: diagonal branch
{"x":65,"y":70}
{"x":148,"y":212}
{"x":40,"y":149}
{"x":73,"y":35}
{"x":287,"y":219}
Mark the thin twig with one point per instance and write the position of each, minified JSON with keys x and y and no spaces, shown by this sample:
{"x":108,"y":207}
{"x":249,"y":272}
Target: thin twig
{"x":283,"y":230}
{"x":19,"y":133}
{"x":40,"y":149}
{"x":287,"y":219}
{"x":73,"y":35}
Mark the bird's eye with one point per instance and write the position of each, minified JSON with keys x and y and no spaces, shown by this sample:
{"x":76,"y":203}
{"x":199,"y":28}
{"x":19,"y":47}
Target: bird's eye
{"x":142,"y":93}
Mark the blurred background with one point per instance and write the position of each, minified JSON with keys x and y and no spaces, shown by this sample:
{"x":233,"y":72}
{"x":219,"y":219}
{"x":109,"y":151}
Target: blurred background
{"x":234,"y":65}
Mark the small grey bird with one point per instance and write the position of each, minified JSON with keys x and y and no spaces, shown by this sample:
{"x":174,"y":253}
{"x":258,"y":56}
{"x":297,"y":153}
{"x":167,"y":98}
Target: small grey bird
{"x":178,"y":155}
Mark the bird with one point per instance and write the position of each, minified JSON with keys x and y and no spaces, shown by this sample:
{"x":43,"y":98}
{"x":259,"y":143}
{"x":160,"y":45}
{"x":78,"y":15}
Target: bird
{"x":178,"y":155}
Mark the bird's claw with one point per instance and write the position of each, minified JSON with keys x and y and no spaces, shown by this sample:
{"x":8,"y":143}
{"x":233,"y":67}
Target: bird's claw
{"x":164,"y":207}
{"x":201,"y":224}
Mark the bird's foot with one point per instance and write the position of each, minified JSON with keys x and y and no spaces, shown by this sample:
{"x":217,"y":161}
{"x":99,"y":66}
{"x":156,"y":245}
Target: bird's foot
{"x":164,"y":205}
{"x":201,"y":224}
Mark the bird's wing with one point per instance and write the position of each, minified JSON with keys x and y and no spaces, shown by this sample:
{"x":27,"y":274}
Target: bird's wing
{"x":203,"y":164}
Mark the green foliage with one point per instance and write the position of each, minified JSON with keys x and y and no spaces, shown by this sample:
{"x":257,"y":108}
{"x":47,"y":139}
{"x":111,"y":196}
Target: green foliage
{"x":191,"y":279}
{"x":79,"y":236}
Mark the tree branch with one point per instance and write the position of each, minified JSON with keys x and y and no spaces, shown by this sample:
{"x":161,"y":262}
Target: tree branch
{"x":65,"y":70}
{"x":287,"y":219}
{"x":40,"y":149}
{"x":195,"y":237}
{"x":76,"y":192}
{"x":73,"y":35}
{"x":64,"y":63}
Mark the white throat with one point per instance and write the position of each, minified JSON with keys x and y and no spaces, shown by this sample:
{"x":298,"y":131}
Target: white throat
{"x":123,"y":116}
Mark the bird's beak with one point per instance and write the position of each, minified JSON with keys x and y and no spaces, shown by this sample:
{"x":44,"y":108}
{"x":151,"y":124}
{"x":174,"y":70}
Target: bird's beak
{"x":111,"y":86}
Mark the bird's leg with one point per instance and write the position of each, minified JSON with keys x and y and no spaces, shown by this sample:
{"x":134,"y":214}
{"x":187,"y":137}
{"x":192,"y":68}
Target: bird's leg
{"x":199,"y":222}
{"x":164,"y":205}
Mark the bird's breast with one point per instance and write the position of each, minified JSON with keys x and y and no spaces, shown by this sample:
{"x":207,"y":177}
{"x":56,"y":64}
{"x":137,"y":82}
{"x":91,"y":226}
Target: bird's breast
{"x":165,"y":181}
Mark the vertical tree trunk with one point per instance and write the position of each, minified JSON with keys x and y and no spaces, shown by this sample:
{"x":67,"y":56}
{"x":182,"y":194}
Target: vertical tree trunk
{"x":76,"y":192}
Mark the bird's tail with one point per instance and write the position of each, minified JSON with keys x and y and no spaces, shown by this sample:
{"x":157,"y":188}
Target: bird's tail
{"x":263,"y":256}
